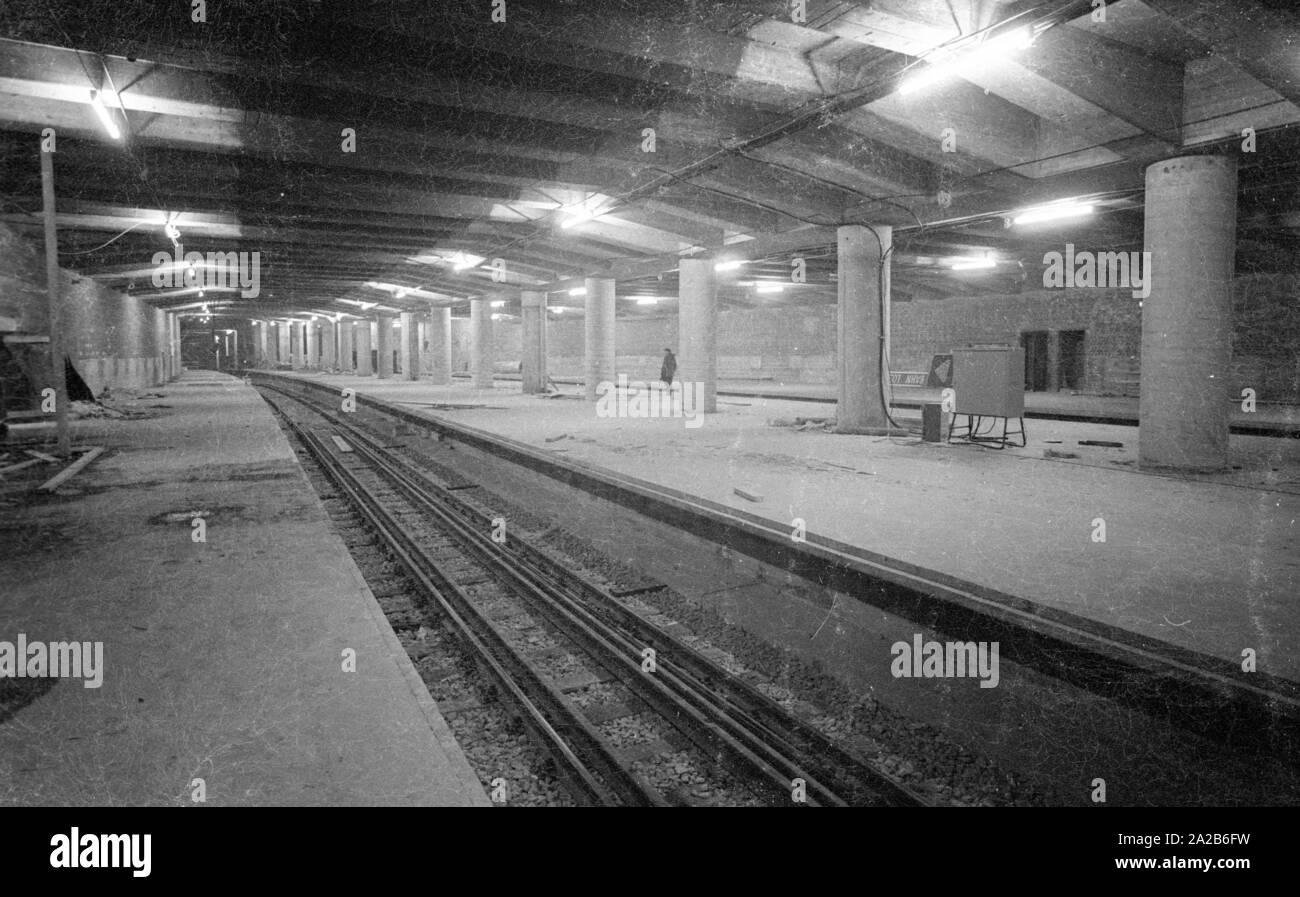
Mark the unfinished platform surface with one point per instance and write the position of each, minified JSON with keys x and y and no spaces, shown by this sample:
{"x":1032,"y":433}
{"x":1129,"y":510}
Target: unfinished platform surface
{"x":223,"y":660}
{"x":1208,"y":562}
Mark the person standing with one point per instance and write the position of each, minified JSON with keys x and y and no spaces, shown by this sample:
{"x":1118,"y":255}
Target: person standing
{"x":668,"y":369}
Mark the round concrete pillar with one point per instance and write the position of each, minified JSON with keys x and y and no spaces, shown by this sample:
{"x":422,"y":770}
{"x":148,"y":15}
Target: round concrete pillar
{"x":480,"y":342}
{"x":328,"y":345}
{"x":533,"y":341}
{"x":697,"y":329}
{"x":598,"y":345}
{"x":346,"y":329}
{"x":361,"y":337}
{"x":296,"y":340}
{"x":410,"y":343}
{"x":313,"y":344}
{"x":1191,"y":235}
{"x":863,"y":296}
{"x":438,"y":329}
{"x":283,"y":337}
{"x":384,"y":347}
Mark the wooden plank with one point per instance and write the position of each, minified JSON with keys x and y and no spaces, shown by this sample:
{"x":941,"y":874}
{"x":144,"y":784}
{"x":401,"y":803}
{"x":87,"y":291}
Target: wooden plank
{"x":341,"y":443}
{"x":19,"y":466}
{"x":71,"y":470}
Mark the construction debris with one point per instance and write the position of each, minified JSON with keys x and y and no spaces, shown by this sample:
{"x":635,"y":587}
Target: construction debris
{"x":71,"y":470}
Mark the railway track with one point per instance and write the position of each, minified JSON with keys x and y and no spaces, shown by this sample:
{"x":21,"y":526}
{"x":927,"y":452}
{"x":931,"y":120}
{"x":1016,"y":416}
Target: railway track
{"x":543,"y":633}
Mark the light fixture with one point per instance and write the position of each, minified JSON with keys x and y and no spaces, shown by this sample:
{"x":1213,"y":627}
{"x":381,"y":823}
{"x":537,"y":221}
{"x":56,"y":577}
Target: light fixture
{"x":578,"y":291}
{"x":400,"y":294}
{"x":580,"y":217}
{"x":647,"y":300}
{"x":769,"y":288}
{"x":967,"y":59}
{"x":462,"y":260}
{"x":1053,"y":212}
{"x":730,"y":265}
{"x":499,"y":303}
{"x":97,"y":103}
{"x":558,"y":309}
{"x":974,"y":264}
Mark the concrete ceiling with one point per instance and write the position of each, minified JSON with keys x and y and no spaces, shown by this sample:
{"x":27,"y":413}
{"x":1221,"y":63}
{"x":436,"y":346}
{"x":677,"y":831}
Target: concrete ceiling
{"x":770,"y":129}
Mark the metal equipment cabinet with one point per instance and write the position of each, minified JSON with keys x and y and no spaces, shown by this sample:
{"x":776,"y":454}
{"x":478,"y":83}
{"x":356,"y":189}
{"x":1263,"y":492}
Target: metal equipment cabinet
{"x":989,"y":381}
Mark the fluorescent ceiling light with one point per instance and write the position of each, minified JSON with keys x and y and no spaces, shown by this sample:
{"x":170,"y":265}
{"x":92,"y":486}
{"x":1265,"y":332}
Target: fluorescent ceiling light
{"x":558,"y":309}
{"x":967,"y":59}
{"x":499,"y":303}
{"x":769,"y":288}
{"x":974,"y":264}
{"x":462,"y":260}
{"x":97,"y":103}
{"x":647,"y":300}
{"x":731,"y":265}
{"x":577,"y":218}
{"x":1053,"y":212}
{"x":578,"y":291}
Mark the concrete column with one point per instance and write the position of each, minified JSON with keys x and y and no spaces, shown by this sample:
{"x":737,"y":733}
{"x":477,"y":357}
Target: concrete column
{"x":480,"y":342}
{"x":166,"y":348}
{"x":439,"y":333}
{"x":697,"y":328}
{"x":533,"y":310}
{"x":284,"y":340}
{"x":328,"y":347}
{"x":1053,"y":360}
{"x":263,"y":344}
{"x":361,"y":336}
{"x":410,"y":346}
{"x":295,"y":344}
{"x":313,"y":344}
{"x":863,"y":294}
{"x":174,"y":343}
{"x":598,"y":345}
{"x":1191,"y":238}
{"x":384,"y":346}
{"x":346,"y":329}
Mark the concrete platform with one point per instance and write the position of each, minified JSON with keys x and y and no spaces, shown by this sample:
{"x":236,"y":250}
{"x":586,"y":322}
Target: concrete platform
{"x":1210,"y":562}
{"x":1121,"y":409}
{"x":222,"y":660}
